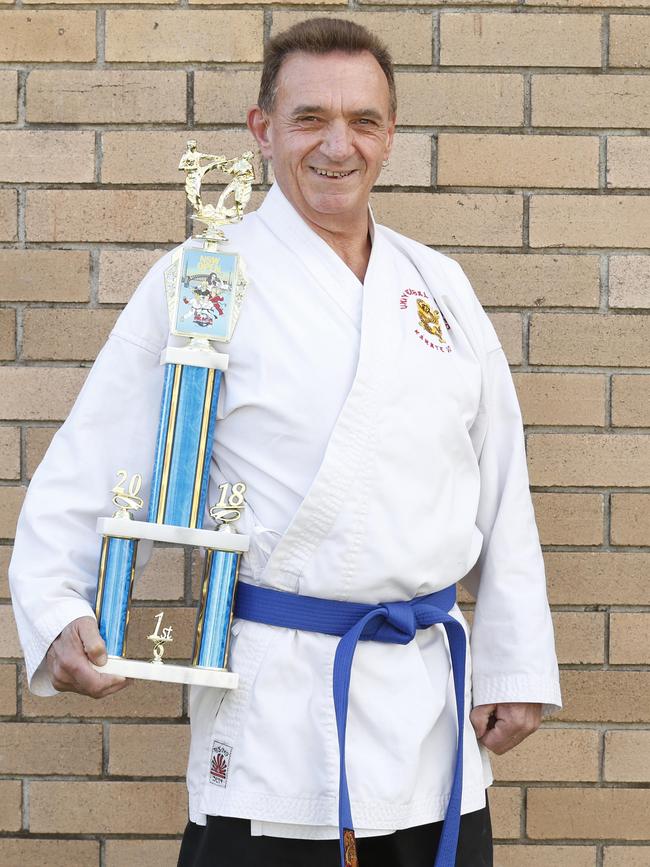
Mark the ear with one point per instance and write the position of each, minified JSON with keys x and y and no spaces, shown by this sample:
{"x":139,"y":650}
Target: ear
{"x":390,"y":136}
{"x":258,"y":124}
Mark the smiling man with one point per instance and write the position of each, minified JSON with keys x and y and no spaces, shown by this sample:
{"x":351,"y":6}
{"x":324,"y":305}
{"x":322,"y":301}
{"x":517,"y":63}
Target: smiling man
{"x":370,"y":409}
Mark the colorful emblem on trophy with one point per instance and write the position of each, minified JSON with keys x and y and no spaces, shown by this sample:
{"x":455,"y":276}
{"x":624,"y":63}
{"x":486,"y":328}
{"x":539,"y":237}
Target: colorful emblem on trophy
{"x":205,"y":288}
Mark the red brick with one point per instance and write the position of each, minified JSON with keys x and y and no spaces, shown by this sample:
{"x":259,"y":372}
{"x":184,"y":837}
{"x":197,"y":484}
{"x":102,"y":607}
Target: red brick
{"x":9,"y":644}
{"x":50,"y":748}
{"x":44,"y":275}
{"x":138,"y":699}
{"x":39,"y":393}
{"x":75,"y":335}
{"x":582,"y":814}
{"x":120,"y":272}
{"x":5,"y":557}
{"x":105,"y":215}
{"x":545,"y":856}
{"x":551,"y":755}
{"x":106,"y":96}
{"x":533,"y":279}
{"x":605,"y":696}
{"x":9,"y":453}
{"x":184,"y":35}
{"x":630,"y":523}
{"x":29,"y":852}
{"x":579,"y":636}
{"x":10,"y":805}
{"x":163,"y":577}
{"x":148,"y":750}
{"x":8,"y":215}
{"x":8,"y":95}
{"x":626,"y":856}
{"x":7,"y":691}
{"x":11,"y":501}
{"x":620,"y":460}
{"x":35,"y":156}
{"x":452,"y":218}
{"x":598,"y":577}
{"x":38,"y":441}
{"x":505,"y":810}
{"x":569,"y":519}
{"x":7,"y":335}
{"x":107,"y":807}
{"x":144,"y":853}
{"x":49,"y":36}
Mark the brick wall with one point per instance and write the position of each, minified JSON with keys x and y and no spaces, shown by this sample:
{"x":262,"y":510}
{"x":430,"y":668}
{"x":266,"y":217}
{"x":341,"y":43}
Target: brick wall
{"x":523,"y":151}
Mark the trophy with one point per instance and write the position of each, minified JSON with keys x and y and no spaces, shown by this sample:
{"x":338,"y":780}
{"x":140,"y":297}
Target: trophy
{"x":205,"y":287}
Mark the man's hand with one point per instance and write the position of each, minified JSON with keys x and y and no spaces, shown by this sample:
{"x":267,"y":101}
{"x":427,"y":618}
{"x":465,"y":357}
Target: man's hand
{"x":69,"y":656}
{"x":500,"y":727}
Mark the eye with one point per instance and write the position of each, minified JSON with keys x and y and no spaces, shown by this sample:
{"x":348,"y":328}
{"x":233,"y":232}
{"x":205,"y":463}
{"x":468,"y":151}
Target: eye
{"x":366,"y":121}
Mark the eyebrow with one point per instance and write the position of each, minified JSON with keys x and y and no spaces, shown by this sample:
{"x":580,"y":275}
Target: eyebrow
{"x":318,"y":109}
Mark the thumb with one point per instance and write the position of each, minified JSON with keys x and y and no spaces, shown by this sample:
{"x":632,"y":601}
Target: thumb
{"x":92,"y":642}
{"x":480,"y":718}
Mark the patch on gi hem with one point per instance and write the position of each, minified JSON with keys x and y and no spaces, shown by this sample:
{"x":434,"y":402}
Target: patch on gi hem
{"x":219,"y":763}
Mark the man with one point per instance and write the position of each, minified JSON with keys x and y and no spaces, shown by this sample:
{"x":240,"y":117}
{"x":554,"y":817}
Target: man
{"x":369,"y":407}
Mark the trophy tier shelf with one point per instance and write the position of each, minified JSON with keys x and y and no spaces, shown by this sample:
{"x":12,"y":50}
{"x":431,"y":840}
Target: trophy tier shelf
{"x":213,"y":539}
{"x":169,"y":672}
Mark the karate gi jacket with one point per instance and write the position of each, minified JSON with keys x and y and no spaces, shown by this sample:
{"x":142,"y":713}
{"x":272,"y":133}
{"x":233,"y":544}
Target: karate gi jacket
{"x":378,"y":430}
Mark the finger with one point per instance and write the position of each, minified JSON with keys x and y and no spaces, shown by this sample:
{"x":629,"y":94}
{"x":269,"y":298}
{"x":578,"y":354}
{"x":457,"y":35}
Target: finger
{"x":480,"y":718}
{"x":86,"y":680}
{"x":500,"y":742}
{"x":92,"y":642}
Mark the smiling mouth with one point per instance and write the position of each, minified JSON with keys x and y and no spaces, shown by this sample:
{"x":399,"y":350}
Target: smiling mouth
{"x":324,"y":173}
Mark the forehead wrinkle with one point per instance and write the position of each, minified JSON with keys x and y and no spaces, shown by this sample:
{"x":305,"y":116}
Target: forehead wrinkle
{"x":318,"y":82}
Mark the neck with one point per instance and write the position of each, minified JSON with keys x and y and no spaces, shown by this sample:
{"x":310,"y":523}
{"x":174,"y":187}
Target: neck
{"x":351,"y":244}
{"x":348,"y":235}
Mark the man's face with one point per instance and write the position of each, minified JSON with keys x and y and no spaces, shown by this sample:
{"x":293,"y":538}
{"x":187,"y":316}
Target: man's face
{"x":328,"y":133}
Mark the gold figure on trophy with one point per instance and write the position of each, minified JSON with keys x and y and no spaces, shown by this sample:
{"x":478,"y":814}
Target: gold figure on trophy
{"x":196,"y":165}
{"x":160,"y":639}
{"x":127,"y":500}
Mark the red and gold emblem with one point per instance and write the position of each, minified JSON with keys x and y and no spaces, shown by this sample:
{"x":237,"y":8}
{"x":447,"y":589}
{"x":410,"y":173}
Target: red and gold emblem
{"x":430,"y":319}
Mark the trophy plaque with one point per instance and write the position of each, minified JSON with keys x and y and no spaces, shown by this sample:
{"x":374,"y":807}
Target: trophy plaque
{"x":204,"y":287}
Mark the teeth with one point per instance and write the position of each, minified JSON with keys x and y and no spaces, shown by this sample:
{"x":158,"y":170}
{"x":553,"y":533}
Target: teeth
{"x":326,"y":174}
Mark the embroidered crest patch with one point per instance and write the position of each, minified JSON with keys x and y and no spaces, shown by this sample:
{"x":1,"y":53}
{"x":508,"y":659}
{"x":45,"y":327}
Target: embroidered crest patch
{"x":429,"y":328}
{"x":219,"y":763}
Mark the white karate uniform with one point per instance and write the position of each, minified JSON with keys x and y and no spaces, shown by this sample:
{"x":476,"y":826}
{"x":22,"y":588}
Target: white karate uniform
{"x":384,"y":459}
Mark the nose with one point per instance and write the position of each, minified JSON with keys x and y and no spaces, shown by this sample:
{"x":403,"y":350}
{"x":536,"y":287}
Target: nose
{"x":337,"y":141}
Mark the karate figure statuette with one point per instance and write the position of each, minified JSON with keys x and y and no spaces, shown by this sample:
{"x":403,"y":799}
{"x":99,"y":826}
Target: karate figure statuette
{"x":205,"y":288}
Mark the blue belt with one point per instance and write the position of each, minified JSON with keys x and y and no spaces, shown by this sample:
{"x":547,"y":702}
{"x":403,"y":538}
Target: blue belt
{"x":393,"y":623}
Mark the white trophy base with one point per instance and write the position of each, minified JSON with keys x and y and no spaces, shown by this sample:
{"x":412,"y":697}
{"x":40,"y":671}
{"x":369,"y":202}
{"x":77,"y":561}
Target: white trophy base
{"x":168,"y":672}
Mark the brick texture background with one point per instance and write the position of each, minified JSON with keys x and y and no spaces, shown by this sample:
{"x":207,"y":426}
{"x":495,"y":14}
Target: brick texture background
{"x":523,"y":152}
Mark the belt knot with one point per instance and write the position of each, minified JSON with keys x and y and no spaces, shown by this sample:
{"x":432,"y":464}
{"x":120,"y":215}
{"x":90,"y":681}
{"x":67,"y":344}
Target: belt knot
{"x":399,"y":625}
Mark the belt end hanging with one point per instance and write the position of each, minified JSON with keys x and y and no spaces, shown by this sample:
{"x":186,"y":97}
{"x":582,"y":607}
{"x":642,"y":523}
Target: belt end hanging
{"x":350,"y":848}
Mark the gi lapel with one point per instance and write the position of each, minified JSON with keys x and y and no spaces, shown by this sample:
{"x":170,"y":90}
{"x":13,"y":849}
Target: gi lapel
{"x":350,"y":448}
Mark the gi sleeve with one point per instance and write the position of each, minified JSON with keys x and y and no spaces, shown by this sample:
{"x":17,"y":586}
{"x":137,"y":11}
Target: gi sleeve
{"x":112,"y":426}
{"x":512,"y":642}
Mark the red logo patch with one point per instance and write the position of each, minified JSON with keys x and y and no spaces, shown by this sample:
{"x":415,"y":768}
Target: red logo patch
{"x":219,"y":763}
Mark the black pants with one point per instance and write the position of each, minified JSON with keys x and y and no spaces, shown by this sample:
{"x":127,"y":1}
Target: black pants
{"x":225,"y":842}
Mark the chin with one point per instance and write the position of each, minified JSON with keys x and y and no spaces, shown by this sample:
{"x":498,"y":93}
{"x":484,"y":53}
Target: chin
{"x":333,"y":203}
